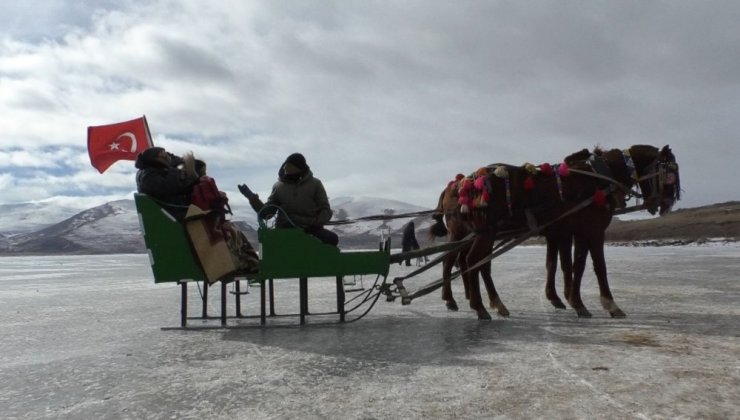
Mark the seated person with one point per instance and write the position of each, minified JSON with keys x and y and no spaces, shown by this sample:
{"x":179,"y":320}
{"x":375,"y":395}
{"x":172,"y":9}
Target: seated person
{"x":301,"y":196}
{"x":159,"y":176}
{"x":206,"y":195}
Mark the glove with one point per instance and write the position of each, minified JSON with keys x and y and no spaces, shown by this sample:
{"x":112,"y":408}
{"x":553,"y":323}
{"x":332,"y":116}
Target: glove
{"x":246,"y":191}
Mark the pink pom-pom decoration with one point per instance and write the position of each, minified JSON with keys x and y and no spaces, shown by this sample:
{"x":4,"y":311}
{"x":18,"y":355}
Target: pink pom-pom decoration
{"x":466,"y":185}
{"x":563,"y":169}
{"x":479,"y":183}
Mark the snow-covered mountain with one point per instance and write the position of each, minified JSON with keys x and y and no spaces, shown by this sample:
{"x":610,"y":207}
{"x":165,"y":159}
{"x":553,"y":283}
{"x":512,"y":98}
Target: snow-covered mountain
{"x":28,"y":217}
{"x":114,"y":227}
{"x":111,"y":227}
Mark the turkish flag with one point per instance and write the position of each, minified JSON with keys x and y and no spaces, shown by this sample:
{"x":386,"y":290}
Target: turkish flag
{"x":107,"y":144}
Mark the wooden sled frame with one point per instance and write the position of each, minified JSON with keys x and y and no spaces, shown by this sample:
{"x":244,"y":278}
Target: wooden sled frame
{"x":285,"y":254}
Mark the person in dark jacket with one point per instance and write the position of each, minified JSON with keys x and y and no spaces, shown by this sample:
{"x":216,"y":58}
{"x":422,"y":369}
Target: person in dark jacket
{"x":408,"y":241}
{"x":301,"y":196}
{"x":159,"y":176}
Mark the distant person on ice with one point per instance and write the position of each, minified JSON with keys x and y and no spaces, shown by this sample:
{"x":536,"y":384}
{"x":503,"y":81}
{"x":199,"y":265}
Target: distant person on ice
{"x":408,"y":241}
{"x":301,"y":196}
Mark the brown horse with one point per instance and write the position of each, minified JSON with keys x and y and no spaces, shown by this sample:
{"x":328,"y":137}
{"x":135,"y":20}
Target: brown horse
{"x":656,"y":173}
{"x":515,"y":191}
{"x":458,"y":220}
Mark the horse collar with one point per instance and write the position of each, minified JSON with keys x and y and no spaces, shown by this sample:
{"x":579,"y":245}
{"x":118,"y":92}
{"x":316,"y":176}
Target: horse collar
{"x":630,"y":164}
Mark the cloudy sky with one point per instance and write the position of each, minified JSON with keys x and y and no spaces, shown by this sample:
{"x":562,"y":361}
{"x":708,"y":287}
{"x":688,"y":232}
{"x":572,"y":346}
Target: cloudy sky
{"x":385,"y":98}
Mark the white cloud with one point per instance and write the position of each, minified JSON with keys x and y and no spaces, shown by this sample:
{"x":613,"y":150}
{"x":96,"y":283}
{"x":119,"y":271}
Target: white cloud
{"x":385,"y":99}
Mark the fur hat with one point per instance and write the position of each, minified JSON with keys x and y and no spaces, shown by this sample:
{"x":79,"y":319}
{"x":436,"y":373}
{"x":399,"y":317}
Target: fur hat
{"x":148,"y":158}
{"x":295,"y":164}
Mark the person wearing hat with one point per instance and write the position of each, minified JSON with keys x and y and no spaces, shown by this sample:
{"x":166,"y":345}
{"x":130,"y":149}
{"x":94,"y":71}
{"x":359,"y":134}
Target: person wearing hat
{"x":301,"y":196}
{"x":158,"y":175}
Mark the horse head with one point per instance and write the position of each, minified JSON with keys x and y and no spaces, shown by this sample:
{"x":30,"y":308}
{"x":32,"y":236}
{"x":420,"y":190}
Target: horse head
{"x":656,"y":171}
{"x":669,"y":180}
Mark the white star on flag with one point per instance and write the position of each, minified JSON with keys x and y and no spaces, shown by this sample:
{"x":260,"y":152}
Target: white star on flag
{"x":114,"y":146}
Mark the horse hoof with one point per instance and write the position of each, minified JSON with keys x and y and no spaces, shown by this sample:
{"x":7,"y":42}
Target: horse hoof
{"x":583,"y":312}
{"x":499,"y":306}
{"x":484,"y":315}
{"x":557,"y":303}
{"x":452,"y":306}
{"x":618,"y":314}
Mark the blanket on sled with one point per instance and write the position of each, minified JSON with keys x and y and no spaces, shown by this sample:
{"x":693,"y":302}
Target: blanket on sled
{"x":209,"y":244}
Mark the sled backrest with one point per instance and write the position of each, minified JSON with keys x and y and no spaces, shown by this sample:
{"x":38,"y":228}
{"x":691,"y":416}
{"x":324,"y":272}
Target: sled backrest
{"x":170,"y":254}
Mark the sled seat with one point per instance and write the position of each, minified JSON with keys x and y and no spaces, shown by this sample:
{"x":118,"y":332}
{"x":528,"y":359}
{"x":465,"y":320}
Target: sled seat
{"x":293,"y":254}
{"x":171,"y":255}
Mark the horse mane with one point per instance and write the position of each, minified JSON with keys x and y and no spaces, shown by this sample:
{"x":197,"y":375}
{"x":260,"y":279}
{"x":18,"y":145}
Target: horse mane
{"x":668,"y":154}
{"x":578,"y":156}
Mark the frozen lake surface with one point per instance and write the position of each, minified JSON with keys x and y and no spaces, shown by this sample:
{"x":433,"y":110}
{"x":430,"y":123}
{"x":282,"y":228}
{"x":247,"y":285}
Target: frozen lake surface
{"x":82,"y":339}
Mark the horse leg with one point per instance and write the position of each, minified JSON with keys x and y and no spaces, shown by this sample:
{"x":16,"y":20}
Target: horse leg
{"x":599,"y":263}
{"x":462,"y":264}
{"x":481,"y":242}
{"x":566,"y":263}
{"x":447,"y":265}
{"x":551,"y":266}
{"x":579,"y":266}
{"x":494,"y":301}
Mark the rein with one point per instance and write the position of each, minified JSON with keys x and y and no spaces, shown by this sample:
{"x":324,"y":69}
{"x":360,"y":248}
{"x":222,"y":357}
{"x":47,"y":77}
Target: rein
{"x":381,"y":217}
{"x":632,"y":171}
{"x":611,"y":180}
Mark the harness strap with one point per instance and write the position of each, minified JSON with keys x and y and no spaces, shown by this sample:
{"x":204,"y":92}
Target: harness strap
{"x":560,"y":183}
{"x":508,"y":196}
{"x":381,"y":217}
{"x":449,"y":247}
{"x":630,"y":164}
{"x":613,"y":181}
{"x":583,"y":204}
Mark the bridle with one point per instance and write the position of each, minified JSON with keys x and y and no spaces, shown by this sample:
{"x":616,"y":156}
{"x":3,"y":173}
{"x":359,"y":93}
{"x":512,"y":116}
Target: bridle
{"x":659,"y":173}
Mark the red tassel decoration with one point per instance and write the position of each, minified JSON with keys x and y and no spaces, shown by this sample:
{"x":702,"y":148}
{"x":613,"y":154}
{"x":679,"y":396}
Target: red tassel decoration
{"x":599,"y":198}
{"x":546,"y":169}
{"x":528,"y":183}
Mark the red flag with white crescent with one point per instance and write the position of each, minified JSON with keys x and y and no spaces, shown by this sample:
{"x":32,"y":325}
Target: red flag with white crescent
{"x":108,"y":144}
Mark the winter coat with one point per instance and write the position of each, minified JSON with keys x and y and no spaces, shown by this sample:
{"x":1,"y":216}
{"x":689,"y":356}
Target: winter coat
{"x":408,"y":241}
{"x":167,"y":184}
{"x":304,"y":200}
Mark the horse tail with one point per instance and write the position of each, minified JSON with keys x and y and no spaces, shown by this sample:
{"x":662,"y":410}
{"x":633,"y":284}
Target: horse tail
{"x":438,"y":229}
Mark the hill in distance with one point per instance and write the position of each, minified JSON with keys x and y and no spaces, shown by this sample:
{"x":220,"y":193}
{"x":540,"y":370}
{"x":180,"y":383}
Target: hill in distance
{"x":693,"y":225}
{"x":114,"y":227}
